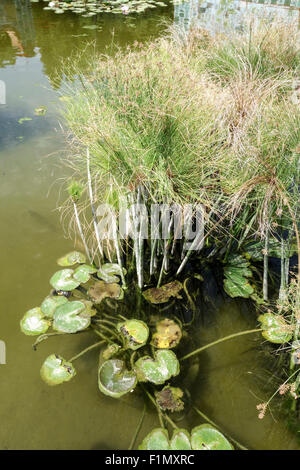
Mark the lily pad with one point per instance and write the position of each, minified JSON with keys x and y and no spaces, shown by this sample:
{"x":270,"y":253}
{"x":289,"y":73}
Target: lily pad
{"x":57,"y":370}
{"x":83,"y":273}
{"x":114,"y":379}
{"x":157,"y":439}
{"x":160,"y":295}
{"x":34,"y":322}
{"x":168,"y":334}
{"x":72,"y":317}
{"x":63,"y":280}
{"x":100,"y":290}
{"x":169,"y":399}
{"x":50,"y":304}
{"x":276,"y":330}
{"x":180,"y":440}
{"x":135,"y":332}
{"x":206,"y":437}
{"x":109,"y":272}
{"x":158,"y":370}
{"x":74,"y":257}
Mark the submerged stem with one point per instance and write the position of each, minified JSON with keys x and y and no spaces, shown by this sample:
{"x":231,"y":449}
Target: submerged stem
{"x":221,"y":340}
{"x":138,"y":428}
{"x":93,"y":346}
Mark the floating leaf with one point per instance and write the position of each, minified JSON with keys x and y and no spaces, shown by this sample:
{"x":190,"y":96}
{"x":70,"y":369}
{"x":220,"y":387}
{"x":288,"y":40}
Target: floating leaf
{"x":74,"y":257}
{"x":50,"y":304}
{"x":40,"y":111}
{"x":83,"y":273}
{"x":169,"y":399}
{"x":56,"y":370}
{"x":109,"y":272}
{"x":160,"y":295}
{"x":206,"y":437}
{"x":24,"y":119}
{"x":114,"y":379}
{"x":276,"y":330}
{"x":72,"y":317}
{"x":158,"y":370}
{"x":157,"y":439}
{"x":100,"y":290}
{"x":135,"y":332}
{"x":34,"y":322}
{"x":63,"y":280}
{"x":180,"y":440}
{"x":168,"y":334}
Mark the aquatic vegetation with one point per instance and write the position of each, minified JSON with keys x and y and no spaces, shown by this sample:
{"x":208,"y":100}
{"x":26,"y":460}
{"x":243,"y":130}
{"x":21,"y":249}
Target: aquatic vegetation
{"x":205,"y":127}
{"x":203,"y":437}
{"x":91,"y":8}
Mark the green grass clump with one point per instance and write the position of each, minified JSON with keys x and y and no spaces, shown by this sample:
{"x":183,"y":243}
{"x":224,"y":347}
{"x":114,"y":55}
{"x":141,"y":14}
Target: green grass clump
{"x":196,"y":119}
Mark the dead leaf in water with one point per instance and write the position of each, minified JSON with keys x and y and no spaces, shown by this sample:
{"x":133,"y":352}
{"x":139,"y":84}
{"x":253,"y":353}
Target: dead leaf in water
{"x":160,"y":295}
{"x":101,"y":290}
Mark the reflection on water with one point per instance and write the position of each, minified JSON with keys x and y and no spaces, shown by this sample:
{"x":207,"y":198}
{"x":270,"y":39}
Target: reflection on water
{"x":33,"y":42}
{"x":224,"y":15}
{"x":17,"y":32}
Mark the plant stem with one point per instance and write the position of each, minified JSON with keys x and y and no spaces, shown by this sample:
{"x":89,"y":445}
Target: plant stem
{"x":221,"y":340}
{"x":266,"y":268}
{"x":92,"y":202}
{"x":45,"y":336}
{"x":138,"y":428}
{"x":206,"y":418}
{"x":93,"y":346}
{"x":81,"y":231}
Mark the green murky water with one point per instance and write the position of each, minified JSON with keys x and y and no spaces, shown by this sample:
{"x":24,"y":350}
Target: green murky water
{"x":233,"y":377}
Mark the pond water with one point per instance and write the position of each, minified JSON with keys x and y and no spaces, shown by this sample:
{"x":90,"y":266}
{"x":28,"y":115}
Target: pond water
{"x":33,"y":42}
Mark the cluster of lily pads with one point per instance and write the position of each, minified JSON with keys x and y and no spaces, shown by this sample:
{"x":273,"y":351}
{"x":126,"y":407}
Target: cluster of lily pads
{"x":203,"y":437}
{"x":132,"y":353}
{"x":91,"y":8}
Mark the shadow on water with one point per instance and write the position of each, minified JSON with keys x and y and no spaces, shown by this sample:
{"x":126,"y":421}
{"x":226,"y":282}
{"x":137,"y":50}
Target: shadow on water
{"x":231,"y":378}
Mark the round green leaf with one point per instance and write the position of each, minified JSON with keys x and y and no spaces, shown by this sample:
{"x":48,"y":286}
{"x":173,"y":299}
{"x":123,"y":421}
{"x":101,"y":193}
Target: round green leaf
{"x":50,"y":304}
{"x":158,"y":370}
{"x":180,"y":440}
{"x":83,"y":273}
{"x":168,"y":334}
{"x":276,"y":330}
{"x":157,"y":439}
{"x":56,"y":370}
{"x":135,"y":332}
{"x":206,"y":437}
{"x":74,"y":257}
{"x":114,"y":379}
{"x":72,"y":317}
{"x":34,"y":322}
{"x":63,"y":280}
